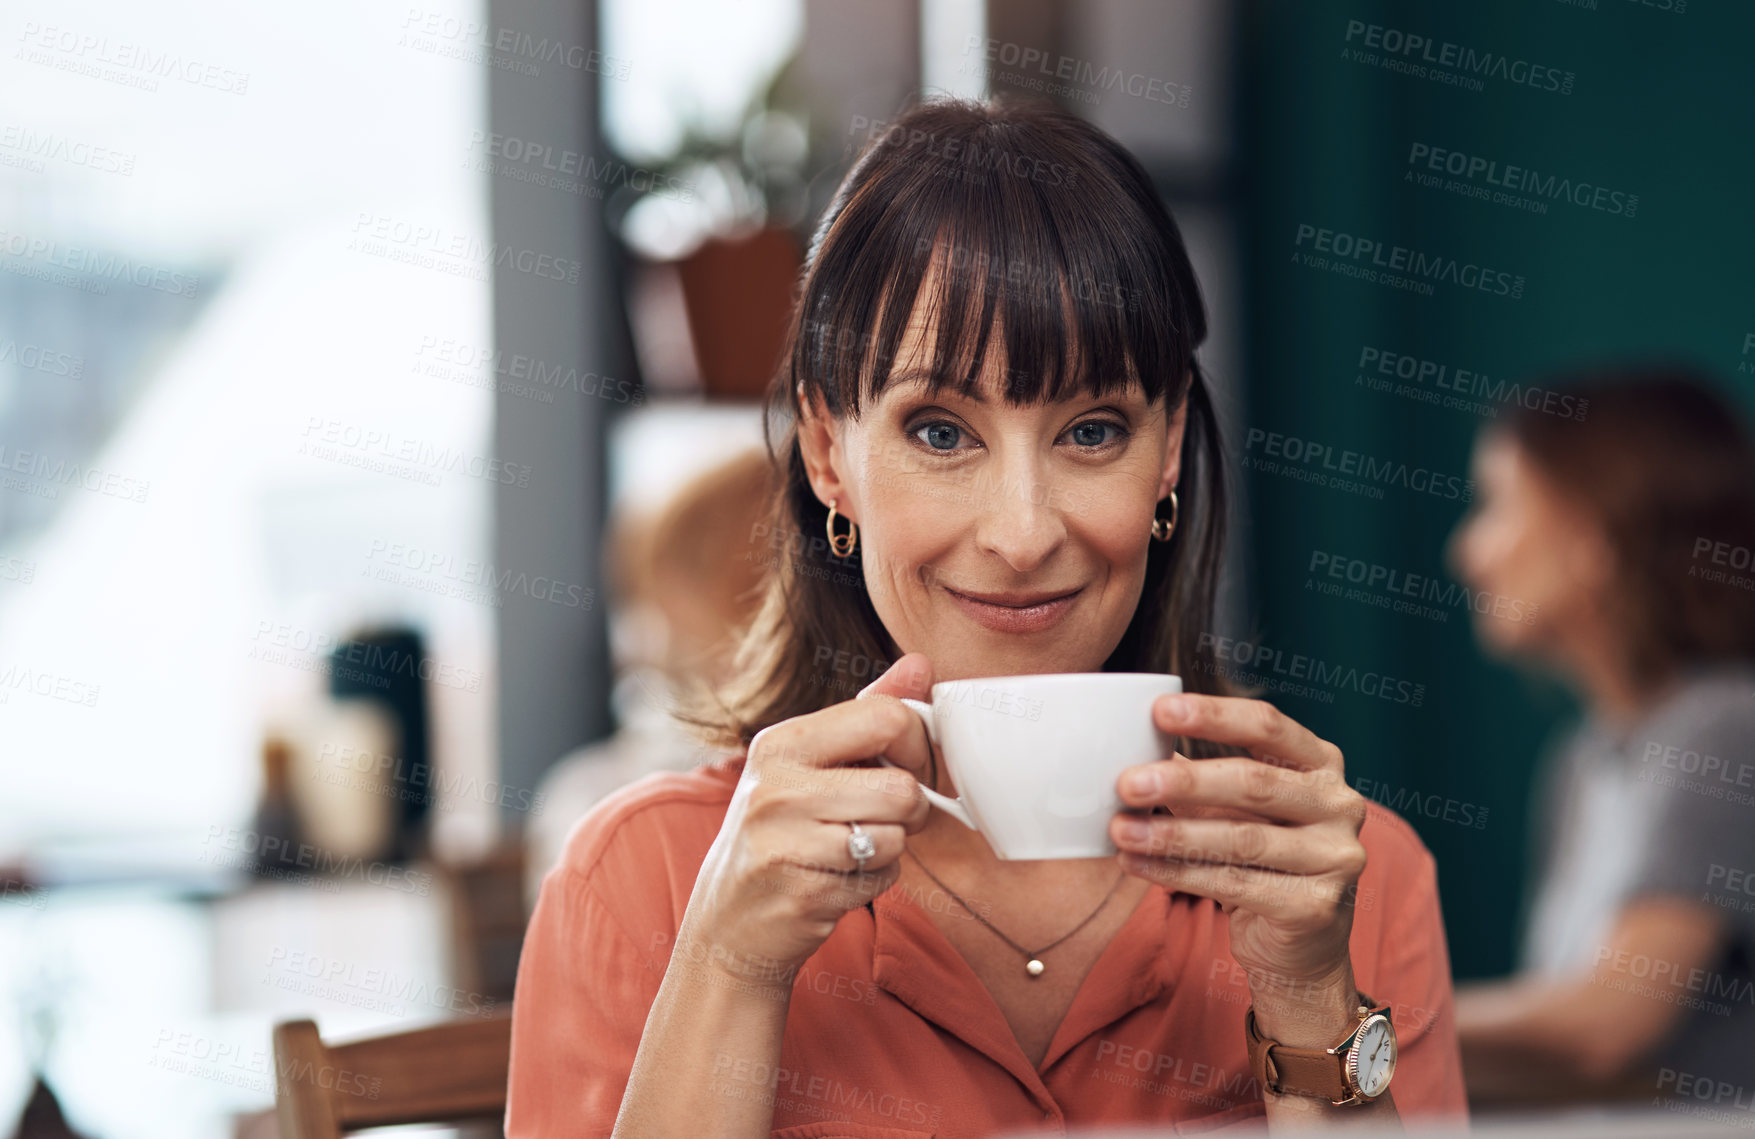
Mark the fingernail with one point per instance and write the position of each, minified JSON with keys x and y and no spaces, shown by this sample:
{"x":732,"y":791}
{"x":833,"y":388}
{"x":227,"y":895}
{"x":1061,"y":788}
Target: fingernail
{"x":1143,"y":783}
{"x":1135,"y":831}
{"x":1175,"y":708}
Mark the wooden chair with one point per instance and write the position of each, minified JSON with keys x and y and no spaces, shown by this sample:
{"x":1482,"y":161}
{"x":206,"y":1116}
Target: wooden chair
{"x":488,"y":920}
{"x":446,"y":1073}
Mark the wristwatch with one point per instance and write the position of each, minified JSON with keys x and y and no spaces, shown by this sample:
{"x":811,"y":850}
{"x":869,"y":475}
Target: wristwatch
{"x":1354,"y":1071}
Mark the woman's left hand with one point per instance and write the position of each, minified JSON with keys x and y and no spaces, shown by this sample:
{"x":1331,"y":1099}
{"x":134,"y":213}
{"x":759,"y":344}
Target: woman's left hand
{"x":1272,"y":836}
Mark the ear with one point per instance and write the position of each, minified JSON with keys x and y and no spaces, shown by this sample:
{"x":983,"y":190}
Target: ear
{"x":1173,"y":449}
{"x":819,"y":443}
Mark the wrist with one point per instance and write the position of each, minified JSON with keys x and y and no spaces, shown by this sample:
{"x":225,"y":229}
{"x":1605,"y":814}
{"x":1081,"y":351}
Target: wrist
{"x":1306,"y":1012}
{"x":703,"y":961}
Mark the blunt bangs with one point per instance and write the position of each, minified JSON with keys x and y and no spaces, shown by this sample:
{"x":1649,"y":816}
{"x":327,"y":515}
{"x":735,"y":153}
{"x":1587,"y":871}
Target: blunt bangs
{"x":1037,"y":231}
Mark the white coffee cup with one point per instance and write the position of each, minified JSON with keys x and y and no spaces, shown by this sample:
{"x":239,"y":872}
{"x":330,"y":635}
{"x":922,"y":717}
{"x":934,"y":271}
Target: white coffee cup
{"x":1036,"y":758}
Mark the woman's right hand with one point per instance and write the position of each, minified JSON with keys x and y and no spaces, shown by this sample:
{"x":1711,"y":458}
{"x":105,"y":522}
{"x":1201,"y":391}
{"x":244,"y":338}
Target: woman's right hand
{"x":779,"y":876}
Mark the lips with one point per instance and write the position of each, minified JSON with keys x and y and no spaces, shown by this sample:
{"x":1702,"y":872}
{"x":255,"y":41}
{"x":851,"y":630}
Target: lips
{"x":1015,"y":612}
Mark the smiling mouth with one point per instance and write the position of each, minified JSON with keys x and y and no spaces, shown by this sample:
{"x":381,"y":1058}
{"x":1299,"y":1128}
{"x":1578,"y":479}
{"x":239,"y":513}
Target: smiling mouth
{"x":1015,"y":612}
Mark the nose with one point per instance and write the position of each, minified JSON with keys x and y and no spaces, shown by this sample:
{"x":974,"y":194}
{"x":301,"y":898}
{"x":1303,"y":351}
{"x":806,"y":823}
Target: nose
{"x":1460,"y":554}
{"x":1020,"y":518}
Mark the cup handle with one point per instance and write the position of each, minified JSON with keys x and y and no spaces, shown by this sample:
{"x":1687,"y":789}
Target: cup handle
{"x":952,"y":807}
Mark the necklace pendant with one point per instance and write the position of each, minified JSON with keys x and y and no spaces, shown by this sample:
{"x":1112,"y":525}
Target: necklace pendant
{"x":1035,"y":967}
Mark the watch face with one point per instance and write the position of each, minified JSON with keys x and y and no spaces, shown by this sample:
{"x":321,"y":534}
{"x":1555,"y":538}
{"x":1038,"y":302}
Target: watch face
{"x":1373,"y":1059}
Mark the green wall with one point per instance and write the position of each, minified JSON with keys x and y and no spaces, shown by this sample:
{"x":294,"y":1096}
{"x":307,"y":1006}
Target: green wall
{"x":1662,"y":106}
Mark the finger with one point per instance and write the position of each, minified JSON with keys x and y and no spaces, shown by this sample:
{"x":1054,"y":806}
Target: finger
{"x":846,"y":794}
{"x":908,"y":678}
{"x":825,"y":848}
{"x":845,"y":890}
{"x":1130,"y":801}
{"x":823,"y":866}
{"x":1239,"y":783}
{"x":1291,"y":850}
{"x":848,"y":732}
{"x":1292,"y":898}
{"x":911,"y":676}
{"x":900,"y":803}
{"x":1254,"y":725}
{"x":911,"y":748}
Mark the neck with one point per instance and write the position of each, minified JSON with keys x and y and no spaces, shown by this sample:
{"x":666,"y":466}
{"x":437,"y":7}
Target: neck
{"x":1599,"y":674}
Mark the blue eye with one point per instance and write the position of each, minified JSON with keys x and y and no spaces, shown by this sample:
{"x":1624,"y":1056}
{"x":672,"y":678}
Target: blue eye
{"x":939,"y":436}
{"x":1082,"y":433}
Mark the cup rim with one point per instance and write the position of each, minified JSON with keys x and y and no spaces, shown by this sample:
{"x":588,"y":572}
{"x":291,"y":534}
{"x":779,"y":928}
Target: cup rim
{"x":1059,"y":676}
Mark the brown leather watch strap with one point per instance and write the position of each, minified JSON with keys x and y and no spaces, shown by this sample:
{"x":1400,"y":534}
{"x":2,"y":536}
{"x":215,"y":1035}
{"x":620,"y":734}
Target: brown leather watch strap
{"x":1297,"y":1071}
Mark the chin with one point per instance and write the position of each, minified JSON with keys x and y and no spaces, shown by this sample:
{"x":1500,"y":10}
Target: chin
{"x":963,"y":661}
{"x":960,"y":663}
{"x":1508,"y":640}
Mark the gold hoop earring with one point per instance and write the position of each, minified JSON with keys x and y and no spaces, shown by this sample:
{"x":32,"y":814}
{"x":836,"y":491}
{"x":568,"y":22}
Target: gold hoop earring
{"x":842,"y":544}
{"x":1162,"y":528}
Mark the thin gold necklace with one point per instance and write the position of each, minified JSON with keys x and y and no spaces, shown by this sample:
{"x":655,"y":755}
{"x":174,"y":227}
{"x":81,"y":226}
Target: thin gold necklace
{"x":1033,"y":966}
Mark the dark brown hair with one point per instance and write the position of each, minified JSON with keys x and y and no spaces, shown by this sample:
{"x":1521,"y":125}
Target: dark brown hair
{"x":1665,"y":465}
{"x":1030,"y":221}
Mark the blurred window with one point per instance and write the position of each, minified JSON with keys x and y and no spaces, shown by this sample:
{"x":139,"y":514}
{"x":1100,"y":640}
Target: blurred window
{"x":244,"y":337}
{"x":688,"y":67}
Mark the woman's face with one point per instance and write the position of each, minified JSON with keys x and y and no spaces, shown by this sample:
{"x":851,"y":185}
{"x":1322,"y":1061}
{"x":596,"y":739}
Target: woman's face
{"x":998,"y":540}
{"x":1523,"y":540}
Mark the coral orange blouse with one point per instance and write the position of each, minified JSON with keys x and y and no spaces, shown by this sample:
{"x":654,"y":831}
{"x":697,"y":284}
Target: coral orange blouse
{"x":890,"y":1035}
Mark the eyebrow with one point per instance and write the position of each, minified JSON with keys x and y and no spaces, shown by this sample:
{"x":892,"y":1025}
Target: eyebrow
{"x":917,"y":376}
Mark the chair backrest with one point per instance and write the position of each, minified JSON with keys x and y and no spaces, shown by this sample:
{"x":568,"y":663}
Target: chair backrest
{"x":442,"y":1074}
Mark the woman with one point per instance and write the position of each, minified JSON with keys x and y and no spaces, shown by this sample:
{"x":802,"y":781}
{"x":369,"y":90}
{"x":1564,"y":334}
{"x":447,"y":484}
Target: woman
{"x":1623,"y":524}
{"x":988,"y":397}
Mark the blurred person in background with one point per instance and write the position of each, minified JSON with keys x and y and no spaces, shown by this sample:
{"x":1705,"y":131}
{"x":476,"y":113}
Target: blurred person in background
{"x":1618,"y":509}
{"x":686,"y":579}
{"x":997,"y":456}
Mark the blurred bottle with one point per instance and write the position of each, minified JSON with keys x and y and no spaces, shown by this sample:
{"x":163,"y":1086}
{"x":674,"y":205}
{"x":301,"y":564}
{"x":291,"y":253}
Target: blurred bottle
{"x":277,"y":826}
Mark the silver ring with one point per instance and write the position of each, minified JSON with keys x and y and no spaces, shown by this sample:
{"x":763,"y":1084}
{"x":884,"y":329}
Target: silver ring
{"x":860,"y":846}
